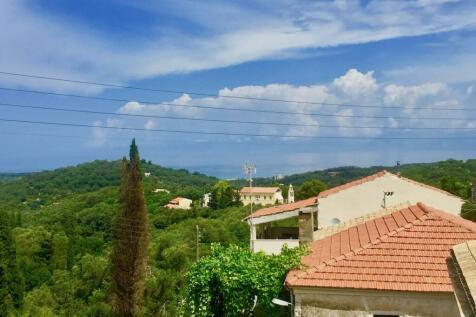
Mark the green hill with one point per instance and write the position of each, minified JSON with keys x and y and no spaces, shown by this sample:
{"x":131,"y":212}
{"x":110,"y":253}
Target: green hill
{"x":61,"y":228}
{"x":61,"y":224}
{"x":43,"y":188}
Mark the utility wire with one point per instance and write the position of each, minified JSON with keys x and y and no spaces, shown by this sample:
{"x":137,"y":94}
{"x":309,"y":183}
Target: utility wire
{"x":221,"y":96}
{"x":224,"y":120}
{"x":158,"y":103}
{"x":230,"y":133}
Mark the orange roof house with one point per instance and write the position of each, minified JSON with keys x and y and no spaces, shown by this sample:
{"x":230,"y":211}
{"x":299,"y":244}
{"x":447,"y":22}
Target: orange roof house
{"x":393,"y":265}
{"x":179,"y":203}
{"x":356,"y":199}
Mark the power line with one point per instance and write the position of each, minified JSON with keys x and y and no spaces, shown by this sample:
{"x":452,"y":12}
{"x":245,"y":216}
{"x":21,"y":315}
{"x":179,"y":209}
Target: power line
{"x":158,"y":103}
{"x":224,"y":120}
{"x":230,"y":133}
{"x":222,"y":96}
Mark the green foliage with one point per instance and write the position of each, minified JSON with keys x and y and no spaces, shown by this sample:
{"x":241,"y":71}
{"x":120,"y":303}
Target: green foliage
{"x":36,"y":190}
{"x":226,"y":282}
{"x":310,"y":188}
{"x":73,"y":219}
{"x":468,"y":211}
{"x":11,"y":280}
{"x":224,"y":196}
{"x":130,"y":240}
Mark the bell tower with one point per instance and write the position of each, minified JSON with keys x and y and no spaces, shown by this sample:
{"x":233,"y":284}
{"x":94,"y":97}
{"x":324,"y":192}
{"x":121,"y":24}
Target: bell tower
{"x":290,"y":194}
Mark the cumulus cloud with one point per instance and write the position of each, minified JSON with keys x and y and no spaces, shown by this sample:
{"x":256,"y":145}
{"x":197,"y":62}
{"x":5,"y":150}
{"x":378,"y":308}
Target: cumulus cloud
{"x":410,"y":96}
{"x":355,"y":83}
{"x":100,"y":135}
{"x":330,"y":116}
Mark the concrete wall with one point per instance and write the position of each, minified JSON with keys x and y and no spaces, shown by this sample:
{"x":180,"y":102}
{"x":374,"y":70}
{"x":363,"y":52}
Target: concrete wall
{"x":306,"y":227}
{"x":319,"y":302}
{"x":270,"y":246}
{"x":365,"y":198}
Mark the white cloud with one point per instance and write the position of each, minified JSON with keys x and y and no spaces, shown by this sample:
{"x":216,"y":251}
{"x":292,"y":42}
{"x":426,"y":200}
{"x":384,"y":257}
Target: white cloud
{"x":355,"y":83}
{"x":346,"y":89}
{"x":411,"y":95}
{"x":150,"y":124}
{"x":232,"y":34}
{"x":131,"y":107}
{"x":99,"y":135}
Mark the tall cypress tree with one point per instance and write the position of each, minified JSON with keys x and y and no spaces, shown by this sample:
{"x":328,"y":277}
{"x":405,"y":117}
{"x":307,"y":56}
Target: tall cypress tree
{"x":129,"y":254}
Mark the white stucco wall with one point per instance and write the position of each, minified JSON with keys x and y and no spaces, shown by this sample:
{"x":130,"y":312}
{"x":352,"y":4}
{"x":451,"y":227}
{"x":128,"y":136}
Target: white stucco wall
{"x":273,"y":246}
{"x":365,"y":198}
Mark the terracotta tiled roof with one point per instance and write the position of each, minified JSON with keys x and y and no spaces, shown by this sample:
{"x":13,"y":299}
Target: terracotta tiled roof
{"x":284,"y":208}
{"x":403,"y":251}
{"x":259,"y":190}
{"x":176,"y":200}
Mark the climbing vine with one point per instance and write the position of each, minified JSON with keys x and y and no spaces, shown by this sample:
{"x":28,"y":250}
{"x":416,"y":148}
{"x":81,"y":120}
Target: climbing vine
{"x":232,"y":281}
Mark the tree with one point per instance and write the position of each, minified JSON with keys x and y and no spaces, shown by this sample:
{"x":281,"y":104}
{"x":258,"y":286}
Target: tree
{"x":310,"y":188}
{"x":226,"y":283}
{"x":468,"y":211}
{"x":11,"y":280}
{"x":130,"y":240}
{"x":223,"y":196}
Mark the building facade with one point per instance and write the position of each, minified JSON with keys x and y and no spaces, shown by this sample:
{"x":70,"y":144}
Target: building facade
{"x":376,"y":193}
{"x":398,"y":264}
{"x":179,"y":203}
{"x":261,"y":195}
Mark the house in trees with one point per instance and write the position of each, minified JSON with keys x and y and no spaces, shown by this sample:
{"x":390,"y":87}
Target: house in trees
{"x":179,"y":203}
{"x":398,"y":263}
{"x":206,"y":199}
{"x":261,"y":195}
{"x":357,"y":199}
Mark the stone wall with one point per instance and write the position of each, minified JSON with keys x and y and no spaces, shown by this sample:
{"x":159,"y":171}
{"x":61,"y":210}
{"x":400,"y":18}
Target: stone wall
{"x":358,"y":303}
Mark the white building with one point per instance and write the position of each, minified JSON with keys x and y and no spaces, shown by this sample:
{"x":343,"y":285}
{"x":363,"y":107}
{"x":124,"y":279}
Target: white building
{"x":395,"y":264}
{"x":261,"y":195}
{"x":161,"y":190}
{"x":206,"y":199}
{"x":179,"y":203}
{"x":290,"y":194}
{"x":342,"y":204}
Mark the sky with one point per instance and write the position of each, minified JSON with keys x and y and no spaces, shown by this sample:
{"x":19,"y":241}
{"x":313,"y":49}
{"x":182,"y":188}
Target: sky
{"x":324,"y":83}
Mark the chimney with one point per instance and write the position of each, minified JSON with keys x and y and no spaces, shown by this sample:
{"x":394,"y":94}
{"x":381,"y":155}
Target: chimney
{"x":306,"y":226}
{"x":473,"y":191}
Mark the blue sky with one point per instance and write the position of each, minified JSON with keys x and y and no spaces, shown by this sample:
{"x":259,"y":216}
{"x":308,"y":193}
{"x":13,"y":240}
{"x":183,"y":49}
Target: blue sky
{"x":404,"y":54}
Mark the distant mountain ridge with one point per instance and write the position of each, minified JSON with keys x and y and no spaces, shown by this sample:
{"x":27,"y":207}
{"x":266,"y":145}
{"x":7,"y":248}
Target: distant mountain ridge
{"x":452,"y":175}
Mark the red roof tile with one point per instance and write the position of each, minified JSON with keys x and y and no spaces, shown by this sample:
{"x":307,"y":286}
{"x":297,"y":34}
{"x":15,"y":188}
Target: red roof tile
{"x":284,"y":208}
{"x":403,"y":251}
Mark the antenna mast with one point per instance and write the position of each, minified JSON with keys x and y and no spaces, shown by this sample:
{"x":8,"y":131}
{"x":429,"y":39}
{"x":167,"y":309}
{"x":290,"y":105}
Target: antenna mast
{"x":249,"y":170}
